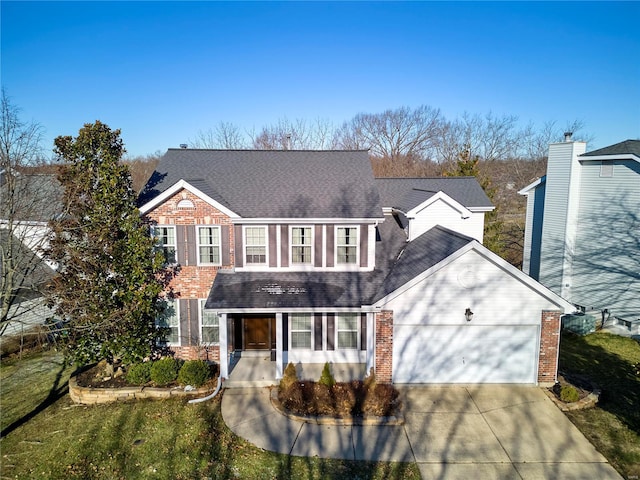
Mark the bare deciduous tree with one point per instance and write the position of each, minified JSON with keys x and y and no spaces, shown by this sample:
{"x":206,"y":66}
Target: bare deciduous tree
{"x":225,"y":135}
{"x":27,"y":202}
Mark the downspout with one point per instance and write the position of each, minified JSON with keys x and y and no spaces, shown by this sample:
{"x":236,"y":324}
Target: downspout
{"x":210,"y":396}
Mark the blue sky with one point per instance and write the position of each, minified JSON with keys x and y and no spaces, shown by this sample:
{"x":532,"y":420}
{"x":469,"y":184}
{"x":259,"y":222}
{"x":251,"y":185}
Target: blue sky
{"x":162,"y":71}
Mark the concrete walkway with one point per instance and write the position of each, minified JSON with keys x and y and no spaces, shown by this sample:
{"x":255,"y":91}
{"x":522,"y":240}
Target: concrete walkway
{"x":487,"y":432}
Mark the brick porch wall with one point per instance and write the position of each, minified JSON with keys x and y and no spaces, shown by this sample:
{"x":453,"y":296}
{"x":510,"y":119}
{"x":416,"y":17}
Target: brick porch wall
{"x":384,"y":346}
{"x":209,"y":354}
{"x":549,"y":347}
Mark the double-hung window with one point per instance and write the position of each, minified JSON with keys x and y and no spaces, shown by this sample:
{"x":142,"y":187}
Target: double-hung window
{"x":209,"y":325}
{"x":301,"y":245}
{"x":301,"y":331}
{"x":166,"y":240}
{"x":170,"y":319}
{"x":209,"y":245}
{"x":347,"y":331}
{"x":347,"y":245}
{"x":255,"y":245}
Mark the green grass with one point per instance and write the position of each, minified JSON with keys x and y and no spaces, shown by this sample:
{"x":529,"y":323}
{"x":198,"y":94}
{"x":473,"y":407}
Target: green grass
{"x":143,"y":440}
{"x":614,"y":425}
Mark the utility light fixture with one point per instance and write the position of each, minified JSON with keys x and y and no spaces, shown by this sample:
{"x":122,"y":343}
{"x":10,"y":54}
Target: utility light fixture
{"x":468,"y":314}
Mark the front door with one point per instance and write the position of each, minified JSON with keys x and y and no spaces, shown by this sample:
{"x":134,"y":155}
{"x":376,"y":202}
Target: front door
{"x":257,"y":333}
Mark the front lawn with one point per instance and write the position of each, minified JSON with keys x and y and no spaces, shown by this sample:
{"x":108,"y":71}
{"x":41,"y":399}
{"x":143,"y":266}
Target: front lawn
{"x":141,"y":439}
{"x":614,"y":425}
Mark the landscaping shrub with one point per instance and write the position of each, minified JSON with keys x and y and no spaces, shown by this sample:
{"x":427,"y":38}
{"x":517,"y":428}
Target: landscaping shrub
{"x":380,"y":400}
{"x":326,"y":378}
{"x":165,"y":371}
{"x":194,"y":373}
{"x":569,"y":394}
{"x":289,"y":377}
{"x":139,"y":373}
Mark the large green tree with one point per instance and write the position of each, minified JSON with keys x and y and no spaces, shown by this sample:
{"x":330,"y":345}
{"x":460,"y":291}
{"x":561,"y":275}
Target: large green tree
{"x":109,"y":275}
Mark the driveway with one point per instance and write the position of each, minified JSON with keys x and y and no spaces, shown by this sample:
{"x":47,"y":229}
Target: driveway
{"x":484,"y":432}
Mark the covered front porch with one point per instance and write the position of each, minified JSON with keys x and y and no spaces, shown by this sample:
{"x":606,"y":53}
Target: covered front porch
{"x":259,"y":345}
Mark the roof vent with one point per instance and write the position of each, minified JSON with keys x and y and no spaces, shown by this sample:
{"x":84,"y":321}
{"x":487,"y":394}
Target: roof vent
{"x":567,"y":136}
{"x":183,"y":145}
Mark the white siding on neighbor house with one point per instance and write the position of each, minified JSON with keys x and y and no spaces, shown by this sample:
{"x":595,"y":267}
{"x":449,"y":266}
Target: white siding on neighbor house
{"x":560,"y":216}
{"x":446,"y":215}
{"x":607,"y":259}
{"x":533,"y":231}
{"x":505,"y":325}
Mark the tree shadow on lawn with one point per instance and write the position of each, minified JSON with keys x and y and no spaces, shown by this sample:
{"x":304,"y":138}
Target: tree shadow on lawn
{"x":59,"y":388}
{"x":615,"y":375}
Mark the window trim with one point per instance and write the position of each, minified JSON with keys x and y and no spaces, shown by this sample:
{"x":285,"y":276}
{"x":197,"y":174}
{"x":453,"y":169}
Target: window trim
{"x":337,"y":263}
{"x":311,"y":261}
{"x":162,"y":246}
{"x":201,"y":303}
{"x":176,"y":306}
{"x":309,"y":317}
{"x":245,"y":246}
{"x":337,"y":330}
{"x":219,"y":245}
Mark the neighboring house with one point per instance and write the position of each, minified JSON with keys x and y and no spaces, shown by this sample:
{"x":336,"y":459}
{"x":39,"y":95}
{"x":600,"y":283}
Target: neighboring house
{"x":582,"y":233}
{"x":306,"y":255}
{"x":27,"y":202}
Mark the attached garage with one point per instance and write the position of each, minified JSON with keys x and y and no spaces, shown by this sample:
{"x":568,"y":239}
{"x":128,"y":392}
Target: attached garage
{"x":507,"y":339}
{"x":465,"y":354}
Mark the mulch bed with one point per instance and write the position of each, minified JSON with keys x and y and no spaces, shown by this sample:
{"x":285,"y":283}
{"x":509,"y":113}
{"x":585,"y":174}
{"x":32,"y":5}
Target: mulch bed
{"x":344,"y":399}
{"x":582,"y":384}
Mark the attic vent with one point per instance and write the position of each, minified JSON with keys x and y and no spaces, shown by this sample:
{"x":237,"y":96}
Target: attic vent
{"x":186,"y":203}
{"x":606,"y":168}
{"x":183,"y":145}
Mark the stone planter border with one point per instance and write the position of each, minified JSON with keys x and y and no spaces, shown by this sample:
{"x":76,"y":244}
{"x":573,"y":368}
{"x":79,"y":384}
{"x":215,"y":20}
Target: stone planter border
{"x":93,"y":396}
{"x":589,"y":401}
{"x":397,"y":419}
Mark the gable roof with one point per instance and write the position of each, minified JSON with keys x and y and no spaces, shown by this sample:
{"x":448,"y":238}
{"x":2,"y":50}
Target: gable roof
{"x":274,"y":183}
{"x":405,"y":194}
{"x":627,"y":148}
{"x":38,"y":196}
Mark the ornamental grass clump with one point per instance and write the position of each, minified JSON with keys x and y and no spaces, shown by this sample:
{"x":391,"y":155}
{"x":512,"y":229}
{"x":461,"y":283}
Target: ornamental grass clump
{"x":194,"y":373}
{"x":165,"y":371}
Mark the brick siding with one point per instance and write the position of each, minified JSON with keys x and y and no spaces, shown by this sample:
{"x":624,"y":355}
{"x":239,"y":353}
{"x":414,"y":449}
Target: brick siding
{"x":549,"y":347}
{"x":384,"y":346}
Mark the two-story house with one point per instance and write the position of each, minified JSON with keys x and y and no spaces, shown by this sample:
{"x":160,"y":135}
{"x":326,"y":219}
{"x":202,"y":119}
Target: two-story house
{"x":582,"y":234}
{"x":305,"y":256}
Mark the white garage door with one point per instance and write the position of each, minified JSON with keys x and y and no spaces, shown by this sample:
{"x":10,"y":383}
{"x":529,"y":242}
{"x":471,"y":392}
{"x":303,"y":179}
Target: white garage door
{"x":464,"y":354}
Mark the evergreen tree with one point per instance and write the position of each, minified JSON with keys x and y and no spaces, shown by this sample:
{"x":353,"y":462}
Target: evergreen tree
{"x":109,"y":275}
{"x":467,"y":166}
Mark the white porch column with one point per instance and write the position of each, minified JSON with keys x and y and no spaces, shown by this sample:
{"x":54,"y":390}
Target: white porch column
{"x":223,"y":330}
{"x":279,"y":345}
{"x":371,"y":341}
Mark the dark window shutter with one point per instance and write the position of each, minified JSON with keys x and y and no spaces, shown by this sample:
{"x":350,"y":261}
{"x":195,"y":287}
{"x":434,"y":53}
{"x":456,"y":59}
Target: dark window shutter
{"x":239,"y":250}
{"x":317,"y":245}
{"x":331,"y":322}
{"x":225,"y":245}
{"x":191,"y":244}
{"x":272,"y":244}
{"x":184,"y":322}
{"x":330,"y":245}
{"x":317,"y":331}
{"x":285,"y":332}
{"x":194,"y":321}
{"x":284,"y":246}
{"x":363,"y":331}
{"x":181,"y":242}
{"x":364,"y":245}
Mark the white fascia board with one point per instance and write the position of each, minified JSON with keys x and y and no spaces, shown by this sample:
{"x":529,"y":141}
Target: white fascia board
{"x":532,"y":186}
{"x":180,"y":185}
{"x":481,"y":209}
{"x":543,"y":291}
{"x":306,"y":221}
{"x":620,"y":156}
{"x":464,"y":211}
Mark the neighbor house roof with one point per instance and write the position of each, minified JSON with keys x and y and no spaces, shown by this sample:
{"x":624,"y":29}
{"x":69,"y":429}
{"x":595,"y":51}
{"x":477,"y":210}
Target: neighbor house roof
{"x":38,"y":197}
{"x":274,"y":184}
{"x":628,"y":147}
{"x":406,"y":193}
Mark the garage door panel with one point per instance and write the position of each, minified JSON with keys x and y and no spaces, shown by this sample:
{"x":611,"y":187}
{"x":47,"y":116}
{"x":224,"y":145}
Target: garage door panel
{"x":467,"y":354}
